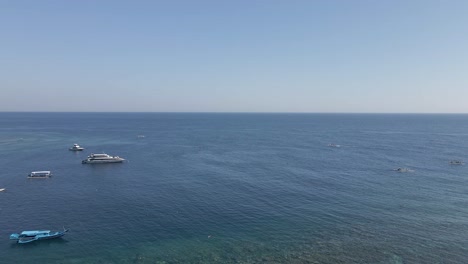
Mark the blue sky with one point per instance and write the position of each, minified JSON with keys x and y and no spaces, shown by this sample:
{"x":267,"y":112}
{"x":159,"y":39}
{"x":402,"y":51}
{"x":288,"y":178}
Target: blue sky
{"x":234,"y":56}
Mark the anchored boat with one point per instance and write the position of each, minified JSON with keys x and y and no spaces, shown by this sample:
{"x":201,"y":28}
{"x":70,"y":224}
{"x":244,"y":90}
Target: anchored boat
{"x":102,"y":158}
{"x":76,"y":147}
{"x":403,"y":170}
{"x":31,"y":236}
{"x":39,"y":174}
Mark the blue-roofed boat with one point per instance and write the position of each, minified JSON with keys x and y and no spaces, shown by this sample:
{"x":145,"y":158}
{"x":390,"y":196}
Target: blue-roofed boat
{"x":31,"y":236}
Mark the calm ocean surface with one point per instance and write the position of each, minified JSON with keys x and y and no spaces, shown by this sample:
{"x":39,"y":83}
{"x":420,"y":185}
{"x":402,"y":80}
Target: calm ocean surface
{"x":236,"y":188}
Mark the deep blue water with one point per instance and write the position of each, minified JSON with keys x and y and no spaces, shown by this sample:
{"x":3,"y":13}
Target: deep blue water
{"x":236,"y":188}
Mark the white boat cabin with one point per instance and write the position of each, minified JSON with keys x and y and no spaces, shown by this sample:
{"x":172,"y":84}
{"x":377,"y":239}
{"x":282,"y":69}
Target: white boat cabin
{"x":40,"y":174}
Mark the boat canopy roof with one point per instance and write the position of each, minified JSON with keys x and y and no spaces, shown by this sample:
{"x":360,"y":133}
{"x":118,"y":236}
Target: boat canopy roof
{"x":33,"y":233}
{"x":40,"y":172}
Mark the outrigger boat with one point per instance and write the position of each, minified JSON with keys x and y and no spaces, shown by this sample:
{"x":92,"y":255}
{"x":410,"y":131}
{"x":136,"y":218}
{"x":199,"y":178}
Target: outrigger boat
{"x":31,"y":236}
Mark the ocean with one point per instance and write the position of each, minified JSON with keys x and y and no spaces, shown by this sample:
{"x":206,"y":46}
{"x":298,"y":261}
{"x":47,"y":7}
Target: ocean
{"x":236,"y":188}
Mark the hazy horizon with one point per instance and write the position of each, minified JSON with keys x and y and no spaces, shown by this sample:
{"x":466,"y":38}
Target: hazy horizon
{"x":234,"y":57}
{"x":195,"y":112}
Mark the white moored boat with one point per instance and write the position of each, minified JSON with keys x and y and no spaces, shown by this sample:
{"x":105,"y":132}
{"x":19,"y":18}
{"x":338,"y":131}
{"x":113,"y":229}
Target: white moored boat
{"x":76,"y":147}
{"x":39,"y":174}
{"x":102,"y":158}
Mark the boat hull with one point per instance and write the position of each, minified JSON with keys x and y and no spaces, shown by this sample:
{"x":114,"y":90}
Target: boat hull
{"x":29,"y":240}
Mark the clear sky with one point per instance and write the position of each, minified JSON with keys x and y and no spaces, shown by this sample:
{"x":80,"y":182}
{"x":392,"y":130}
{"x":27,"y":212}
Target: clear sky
{"x":234,"y":56}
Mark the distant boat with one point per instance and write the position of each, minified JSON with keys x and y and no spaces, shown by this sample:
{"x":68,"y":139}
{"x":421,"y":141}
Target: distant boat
{"x":403,"y":170}
{"x":2,"y":189}
{"x":76,"y":147}
{"x":102,"y":158}
{"x":456,"y":162}
{"x":334,"y":145}
{"x":140,"y":136}
{"x":39,"y":174}
{"x":31,"y":236}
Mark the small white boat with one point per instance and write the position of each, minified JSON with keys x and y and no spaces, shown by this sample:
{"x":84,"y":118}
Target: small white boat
{"x":334,"y":145}
{"x":2,"y":189}
{"x":39,"y":174}
{"x":76,"y":147}
{"x":102,"y":158}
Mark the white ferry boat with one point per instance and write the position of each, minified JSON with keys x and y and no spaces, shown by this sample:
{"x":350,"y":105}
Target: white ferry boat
{"x":39,"y":174}
{"x":102,"y":158}
{"x":76,"y":147}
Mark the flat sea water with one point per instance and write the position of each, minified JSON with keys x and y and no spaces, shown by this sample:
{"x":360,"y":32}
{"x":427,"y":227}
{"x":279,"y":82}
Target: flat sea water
{"x":236,"y":188}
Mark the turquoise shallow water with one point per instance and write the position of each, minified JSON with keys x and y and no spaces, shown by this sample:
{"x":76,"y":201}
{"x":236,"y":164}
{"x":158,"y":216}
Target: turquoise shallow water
{"x":236,"y":188}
